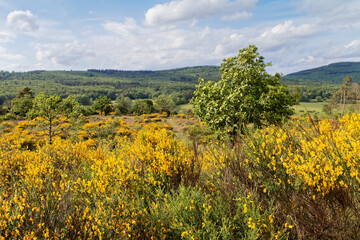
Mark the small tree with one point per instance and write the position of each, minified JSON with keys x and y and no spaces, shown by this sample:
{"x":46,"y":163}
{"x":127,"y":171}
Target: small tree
{"x":164,"y":104}
{"x":339,"y":98}
{"x":102,"y":105}
{"x":245,"y":94}
{"x":123,"y":106}
{"x":142,"y":106}
{"x":23,"y":102}
{"x":72,"y":109}
{"x":48,"y":108}
{"x":344,"y":89}
{"x":24,"y":92}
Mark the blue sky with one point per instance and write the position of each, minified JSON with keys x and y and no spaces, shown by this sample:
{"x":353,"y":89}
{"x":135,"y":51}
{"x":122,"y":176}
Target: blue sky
{"x":163,"y":34}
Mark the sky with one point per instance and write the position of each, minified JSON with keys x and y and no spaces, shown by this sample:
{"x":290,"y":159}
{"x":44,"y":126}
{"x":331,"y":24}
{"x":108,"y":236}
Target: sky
{"x":164,"y":34}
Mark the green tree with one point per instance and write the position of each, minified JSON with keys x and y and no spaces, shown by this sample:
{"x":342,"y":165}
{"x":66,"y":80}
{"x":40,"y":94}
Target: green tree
{"x":142,"y":106}
{"x":164,"y":104}
{"x":123,"y":106}
{"x":102,"y":105}
{"x":25,"y":91}
{"x":245,"y":94}
{"x":72,"y":109}
{"x":23,"y":102}
{"x":49,"y":109}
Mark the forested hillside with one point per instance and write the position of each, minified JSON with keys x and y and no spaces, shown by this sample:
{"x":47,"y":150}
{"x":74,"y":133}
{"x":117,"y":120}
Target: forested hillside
{"x":93,"y":83}
{"x":316,"y":84}
{"x":332,"y":73}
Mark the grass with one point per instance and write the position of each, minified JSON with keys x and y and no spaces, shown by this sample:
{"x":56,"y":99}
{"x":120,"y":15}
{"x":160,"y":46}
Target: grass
{"x":185,"y":107}
{"x":303,"y":108}
{"x":314,"y":108}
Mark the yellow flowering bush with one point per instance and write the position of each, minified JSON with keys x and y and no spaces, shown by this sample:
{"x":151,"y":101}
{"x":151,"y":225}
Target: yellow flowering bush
{"x":108,"y":180}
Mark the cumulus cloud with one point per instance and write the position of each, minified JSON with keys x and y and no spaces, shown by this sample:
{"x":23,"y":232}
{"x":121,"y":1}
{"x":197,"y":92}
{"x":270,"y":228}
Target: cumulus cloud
{"x":128,"y":45}
{"x":23,"y":21}
{"x":63,"y":55}
{"x":283,"y":35}
{"x":326,"y":6}
{"x":333,"y":12}
{"x":350,"y":50}
{"x":126,"y":28}
{"x":238,"y":16}
{"x":183,"y":10}
{"x":308,"y":60}
{"x":8,"y":56}
{"x":6,"y":37}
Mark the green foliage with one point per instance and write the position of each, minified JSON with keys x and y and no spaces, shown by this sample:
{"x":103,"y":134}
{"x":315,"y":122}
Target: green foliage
{"x":142,"y":106}
{"x":123,"y":106}
{"x":23,"y":102}
{"x":347,"y":93}
{"x":102,"y":105}
{"x":48,"y":110}
{"x":22,"y":105}
{"x":46,"y":106}
{"x":89,"y":85}
{"x":245,"y":94}
{"x":164,"y":104}
{"x":83,"y":100}
{"x":25,"y":91}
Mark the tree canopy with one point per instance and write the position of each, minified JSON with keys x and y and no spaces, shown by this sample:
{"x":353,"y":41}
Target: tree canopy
{"x":245,"y":94}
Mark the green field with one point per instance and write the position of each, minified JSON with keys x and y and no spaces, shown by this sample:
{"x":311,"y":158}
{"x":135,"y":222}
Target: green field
{"x":183,"y":108}
{"x":314,"y":108}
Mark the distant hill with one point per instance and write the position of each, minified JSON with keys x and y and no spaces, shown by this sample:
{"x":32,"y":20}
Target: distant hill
{"x":180,"y":83}
{"x":333,"y":73}
{"x":92,"y":83}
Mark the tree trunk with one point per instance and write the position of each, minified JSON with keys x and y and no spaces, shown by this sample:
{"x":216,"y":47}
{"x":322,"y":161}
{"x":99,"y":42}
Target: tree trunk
{"x":343,"y":107}
{"x":50,"y":131}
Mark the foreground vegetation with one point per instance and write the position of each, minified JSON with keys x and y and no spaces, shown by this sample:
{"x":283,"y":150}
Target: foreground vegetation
{"x":249,"y":171}
{"x":133,"y":178}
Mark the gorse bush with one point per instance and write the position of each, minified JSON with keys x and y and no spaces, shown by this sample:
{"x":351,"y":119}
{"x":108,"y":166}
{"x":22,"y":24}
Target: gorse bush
{"x":109,"y":180}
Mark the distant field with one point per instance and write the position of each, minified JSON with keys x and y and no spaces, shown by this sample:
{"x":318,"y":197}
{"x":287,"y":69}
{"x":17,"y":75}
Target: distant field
{"x":300,"y":109}
{"x":184,"y":107}
{"x":314,"y":108}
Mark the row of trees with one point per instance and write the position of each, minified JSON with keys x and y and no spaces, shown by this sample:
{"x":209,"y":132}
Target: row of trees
{"x":25,"y":104}
{"x":52,"y":112}
{"x":246,"y":94}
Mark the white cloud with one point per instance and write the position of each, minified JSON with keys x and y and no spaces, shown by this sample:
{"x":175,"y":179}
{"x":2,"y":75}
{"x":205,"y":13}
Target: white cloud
{"x":333,"y":12}
{"x":159,"y":48}
{"x":320,"y":6}
{"x":238,"y":16}
{"x":2,"y":49}
{"x":355,"y":44}
{"x":350,"y":50}
{"x":128,"y":45}
{"x":7,"y":56}
{"x":22,"y":21}
{"x":308,"y":60}
{"x":4,"y":4}
{"x":125,"y":29}
{"x":286,"y":34}
{"x":63,"y":55}
{"x":6,"y":37}
{"x":183,"y":10}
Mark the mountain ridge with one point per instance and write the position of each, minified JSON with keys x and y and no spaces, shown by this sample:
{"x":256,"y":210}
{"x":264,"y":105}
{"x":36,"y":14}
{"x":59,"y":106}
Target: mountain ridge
{"x":331,"y":73}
